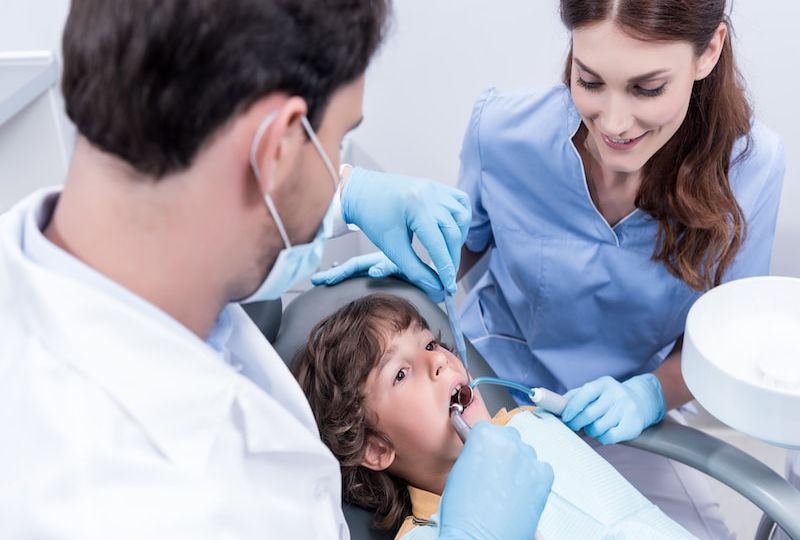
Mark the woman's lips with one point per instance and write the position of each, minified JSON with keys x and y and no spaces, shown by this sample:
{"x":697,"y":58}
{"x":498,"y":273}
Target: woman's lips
{"x":622,"y":144}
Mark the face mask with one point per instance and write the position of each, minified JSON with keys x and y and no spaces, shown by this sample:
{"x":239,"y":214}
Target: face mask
{"x":294,"y":262}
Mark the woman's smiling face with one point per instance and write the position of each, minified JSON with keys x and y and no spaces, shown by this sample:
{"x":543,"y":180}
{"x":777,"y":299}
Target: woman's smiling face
{"x":632,"y":95}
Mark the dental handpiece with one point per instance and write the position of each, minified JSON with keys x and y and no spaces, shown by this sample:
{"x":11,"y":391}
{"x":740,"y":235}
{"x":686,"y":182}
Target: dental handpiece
{"x":461,"y":427}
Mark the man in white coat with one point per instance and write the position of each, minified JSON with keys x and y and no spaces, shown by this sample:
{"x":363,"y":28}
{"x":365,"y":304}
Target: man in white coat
{"x":137,"y":400}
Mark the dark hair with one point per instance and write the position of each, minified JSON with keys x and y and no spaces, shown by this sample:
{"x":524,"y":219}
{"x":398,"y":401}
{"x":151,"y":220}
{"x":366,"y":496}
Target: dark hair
{"x":151,"y":81}
{"x":685,"y":185}
{"x":341,"y":352}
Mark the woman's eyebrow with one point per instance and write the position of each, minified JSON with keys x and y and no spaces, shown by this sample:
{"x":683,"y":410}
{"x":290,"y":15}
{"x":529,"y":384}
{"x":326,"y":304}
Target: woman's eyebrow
{"x":586,"y":68}
{"x":650,"y":75}
{"x":639,"y":78}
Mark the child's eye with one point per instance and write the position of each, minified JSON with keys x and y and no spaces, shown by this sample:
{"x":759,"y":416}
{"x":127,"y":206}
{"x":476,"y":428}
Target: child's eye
{"x":401,"y":375}
{"x":431,"y":346}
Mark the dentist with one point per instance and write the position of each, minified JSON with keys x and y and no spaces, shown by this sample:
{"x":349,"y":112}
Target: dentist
{"x":137,"y":400}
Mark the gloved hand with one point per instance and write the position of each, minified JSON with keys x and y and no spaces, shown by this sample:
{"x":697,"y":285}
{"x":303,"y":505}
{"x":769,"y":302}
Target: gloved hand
{"x":391,"y":209}
{"x":611,"y":411}
{"x":497,"y":488}
{"x":374,"y":265}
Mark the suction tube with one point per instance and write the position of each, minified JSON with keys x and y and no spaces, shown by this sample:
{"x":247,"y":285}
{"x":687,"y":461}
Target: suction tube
{"x":541,"y":397}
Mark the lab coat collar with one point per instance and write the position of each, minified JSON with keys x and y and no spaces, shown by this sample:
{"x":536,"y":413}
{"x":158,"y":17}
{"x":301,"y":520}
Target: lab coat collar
{"x":173,"y":385}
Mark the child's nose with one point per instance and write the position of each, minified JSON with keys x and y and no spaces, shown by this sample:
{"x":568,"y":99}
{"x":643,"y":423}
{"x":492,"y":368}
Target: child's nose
{"x":438,"y":362}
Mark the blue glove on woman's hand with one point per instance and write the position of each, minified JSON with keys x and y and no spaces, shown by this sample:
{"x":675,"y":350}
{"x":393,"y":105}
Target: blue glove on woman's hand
{"x":497,"y":488}
{"x":391,"y":209}
{"x":611,"y":411}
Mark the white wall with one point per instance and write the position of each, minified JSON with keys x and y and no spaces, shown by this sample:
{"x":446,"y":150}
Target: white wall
{"x":36,"y":143}
{"x":443,"y":53}
{"x":768,"y":39}
{"x":32,"y":24}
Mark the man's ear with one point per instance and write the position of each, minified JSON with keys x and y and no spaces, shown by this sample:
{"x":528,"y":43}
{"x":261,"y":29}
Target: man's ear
{"x":707,"y":61}
{"x":280,"y":143}
{"x":378,"y":454}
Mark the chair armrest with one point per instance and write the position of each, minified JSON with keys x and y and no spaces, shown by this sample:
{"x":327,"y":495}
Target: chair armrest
{"x":736,"y":469}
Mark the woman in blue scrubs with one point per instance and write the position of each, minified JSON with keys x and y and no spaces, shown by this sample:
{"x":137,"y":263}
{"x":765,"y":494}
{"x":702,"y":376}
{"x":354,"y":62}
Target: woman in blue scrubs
{"x":608,"y":206}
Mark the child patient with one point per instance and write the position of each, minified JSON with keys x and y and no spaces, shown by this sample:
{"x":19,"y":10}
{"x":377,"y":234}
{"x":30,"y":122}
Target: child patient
{"x":380,"y":385}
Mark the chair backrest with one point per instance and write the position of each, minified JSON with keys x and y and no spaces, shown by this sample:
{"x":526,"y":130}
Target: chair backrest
{"x":267,"y":316}
{"x":312,"y":306}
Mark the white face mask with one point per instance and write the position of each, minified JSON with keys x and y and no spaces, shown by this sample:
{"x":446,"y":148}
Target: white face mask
{"x":294,"y":262}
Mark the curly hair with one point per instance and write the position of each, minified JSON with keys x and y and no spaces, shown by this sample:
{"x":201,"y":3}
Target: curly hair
{"x":340,"y":353}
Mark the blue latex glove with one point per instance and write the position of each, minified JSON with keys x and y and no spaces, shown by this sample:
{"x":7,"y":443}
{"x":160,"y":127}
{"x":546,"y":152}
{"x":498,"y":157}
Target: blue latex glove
{"x":497,"y":488}
{"x":611,"y":411}
{"x":391,"y":209}
{"x":374,"y":265}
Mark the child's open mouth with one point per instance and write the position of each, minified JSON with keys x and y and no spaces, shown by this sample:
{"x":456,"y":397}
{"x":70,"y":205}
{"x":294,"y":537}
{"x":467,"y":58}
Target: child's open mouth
{"x":461,"y":395}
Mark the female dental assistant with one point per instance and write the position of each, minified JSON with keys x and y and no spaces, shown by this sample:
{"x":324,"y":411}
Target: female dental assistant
{"x":608,"y":205}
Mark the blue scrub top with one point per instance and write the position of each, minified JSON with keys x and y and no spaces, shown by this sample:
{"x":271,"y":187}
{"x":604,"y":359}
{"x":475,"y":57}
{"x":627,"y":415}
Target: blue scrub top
{"x":568,"y":298}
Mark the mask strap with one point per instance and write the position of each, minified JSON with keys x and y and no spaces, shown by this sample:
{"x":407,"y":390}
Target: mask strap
{"x":262,"y":128}
{"x":318,"y":145}
{"x":277,"y":220}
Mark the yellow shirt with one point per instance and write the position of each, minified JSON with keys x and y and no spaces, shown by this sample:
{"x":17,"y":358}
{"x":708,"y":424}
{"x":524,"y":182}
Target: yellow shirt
{"x":424,"y":503}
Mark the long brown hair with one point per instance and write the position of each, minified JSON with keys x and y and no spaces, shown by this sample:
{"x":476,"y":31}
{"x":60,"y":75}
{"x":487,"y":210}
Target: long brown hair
{"x":685,"y":185}
{"x":332,"y":369}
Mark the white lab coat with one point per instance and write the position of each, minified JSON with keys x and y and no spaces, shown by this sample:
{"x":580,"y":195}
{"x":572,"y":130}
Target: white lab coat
{"x":114,"y":426}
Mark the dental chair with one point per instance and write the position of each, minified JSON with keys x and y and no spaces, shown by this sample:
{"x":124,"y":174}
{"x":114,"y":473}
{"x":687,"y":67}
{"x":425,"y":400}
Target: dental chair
{"x":267,"y":316}
{"x":779,"y":501}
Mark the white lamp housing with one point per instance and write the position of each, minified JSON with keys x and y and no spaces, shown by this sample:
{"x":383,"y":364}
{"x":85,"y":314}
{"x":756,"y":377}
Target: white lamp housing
{"x":741,"y":356}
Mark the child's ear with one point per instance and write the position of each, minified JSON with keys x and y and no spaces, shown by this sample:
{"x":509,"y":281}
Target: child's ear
{"x":378,"y":454}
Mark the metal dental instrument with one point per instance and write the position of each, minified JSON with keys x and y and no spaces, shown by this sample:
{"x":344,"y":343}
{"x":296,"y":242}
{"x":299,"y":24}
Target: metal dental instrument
{"x":541,"y":397}
{"x":455,"y":329}
{"x":461,"y":427}
{"x":463,"y":399}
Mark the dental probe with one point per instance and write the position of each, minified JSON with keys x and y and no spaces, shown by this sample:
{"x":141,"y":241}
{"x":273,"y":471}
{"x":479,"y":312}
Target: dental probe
{"x":541,"y":397}
{"x":455,"y":328}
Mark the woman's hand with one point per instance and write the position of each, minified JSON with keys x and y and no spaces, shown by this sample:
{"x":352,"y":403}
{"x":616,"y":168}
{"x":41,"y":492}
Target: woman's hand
{"x":611,"y":411}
